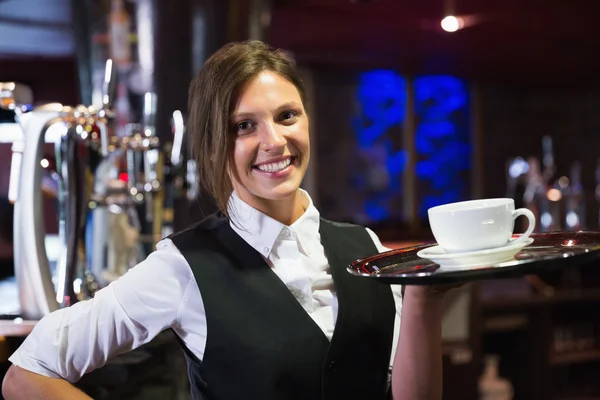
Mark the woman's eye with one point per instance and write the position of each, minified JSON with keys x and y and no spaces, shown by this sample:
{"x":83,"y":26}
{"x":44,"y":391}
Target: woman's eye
{"x":244,"y":126}
{"x":288,"y":115}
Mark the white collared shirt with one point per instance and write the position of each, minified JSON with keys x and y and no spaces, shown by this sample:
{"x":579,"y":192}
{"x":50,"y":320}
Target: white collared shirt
{"x":161,"y":292}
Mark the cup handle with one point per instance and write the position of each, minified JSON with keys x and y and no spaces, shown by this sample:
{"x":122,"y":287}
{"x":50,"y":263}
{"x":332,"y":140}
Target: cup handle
{"x":530,"y":227}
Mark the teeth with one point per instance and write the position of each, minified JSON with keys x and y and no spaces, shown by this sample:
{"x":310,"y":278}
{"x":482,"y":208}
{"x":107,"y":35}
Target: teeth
{"x":275,"y":167}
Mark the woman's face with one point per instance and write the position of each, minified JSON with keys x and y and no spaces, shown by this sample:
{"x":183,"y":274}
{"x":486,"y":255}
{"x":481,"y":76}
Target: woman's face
{"x":271,"y":147}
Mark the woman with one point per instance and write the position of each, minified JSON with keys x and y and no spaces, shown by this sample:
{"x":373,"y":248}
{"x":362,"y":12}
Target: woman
{"x":250,"y":290}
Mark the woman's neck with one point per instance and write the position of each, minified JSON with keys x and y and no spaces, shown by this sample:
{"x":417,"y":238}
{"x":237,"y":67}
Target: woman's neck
{"x":287,"y":211}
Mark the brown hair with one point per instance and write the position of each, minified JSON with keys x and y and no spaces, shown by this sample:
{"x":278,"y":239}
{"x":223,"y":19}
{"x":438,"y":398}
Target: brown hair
{"x":213,"y":95}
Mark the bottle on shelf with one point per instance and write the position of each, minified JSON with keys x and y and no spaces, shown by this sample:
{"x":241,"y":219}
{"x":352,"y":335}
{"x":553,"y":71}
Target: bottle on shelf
{"x":491,"y":385}
{"x":550,"y":219}
{"x":575,"y":201}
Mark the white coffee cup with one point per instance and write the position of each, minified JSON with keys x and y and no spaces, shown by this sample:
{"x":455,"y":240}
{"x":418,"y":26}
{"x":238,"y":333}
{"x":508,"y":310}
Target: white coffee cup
{"x":477,"y":224}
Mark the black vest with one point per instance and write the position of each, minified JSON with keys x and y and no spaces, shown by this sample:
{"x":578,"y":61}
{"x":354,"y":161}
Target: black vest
{"x":262,"y":344}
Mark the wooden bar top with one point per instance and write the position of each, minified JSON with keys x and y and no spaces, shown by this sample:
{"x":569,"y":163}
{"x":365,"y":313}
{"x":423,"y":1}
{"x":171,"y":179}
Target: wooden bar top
{"x":16,"y":327}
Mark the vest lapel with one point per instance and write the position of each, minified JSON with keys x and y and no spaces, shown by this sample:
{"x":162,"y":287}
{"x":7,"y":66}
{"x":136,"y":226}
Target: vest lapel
{"x":365,"y":311}
{"x":338,"y":260}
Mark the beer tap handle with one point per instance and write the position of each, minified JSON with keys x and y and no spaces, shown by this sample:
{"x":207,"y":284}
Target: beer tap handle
{"x":149,"y":115}
{"x":178,"y":131}
{"x":132,"y":169}
{"x":108,"y":99}
{"x":191,"y":178}
{"x":108,"y":86}
{"x":12,"y":97}
{"x":17,"y":148}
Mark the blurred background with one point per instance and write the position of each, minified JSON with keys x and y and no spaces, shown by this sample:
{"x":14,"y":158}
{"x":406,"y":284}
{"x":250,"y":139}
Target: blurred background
{"x":412,"y":104}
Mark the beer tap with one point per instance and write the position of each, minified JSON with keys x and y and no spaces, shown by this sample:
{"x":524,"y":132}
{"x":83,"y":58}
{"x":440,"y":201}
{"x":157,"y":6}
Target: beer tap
{"x":173,"y":178}
{"x":150,"y":154}
{"x":146,"y":185}
{"x":106,"y":113}
{"x":78,"y":155}
{"x":183,"y":167}
{"x":32,"y":269}
{"x":84,"y":144}
{"x":79,"y":150}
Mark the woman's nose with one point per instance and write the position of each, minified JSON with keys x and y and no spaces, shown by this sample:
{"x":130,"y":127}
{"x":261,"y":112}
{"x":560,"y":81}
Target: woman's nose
{"x":272,"y":138}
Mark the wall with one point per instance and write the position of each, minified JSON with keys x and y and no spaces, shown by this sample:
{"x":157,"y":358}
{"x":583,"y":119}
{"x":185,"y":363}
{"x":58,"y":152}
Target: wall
{"x":52,"y":80}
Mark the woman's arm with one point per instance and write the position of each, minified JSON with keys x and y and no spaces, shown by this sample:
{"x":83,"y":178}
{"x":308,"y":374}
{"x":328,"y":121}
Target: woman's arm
{"x":22,"y":384}
{"x":68,"y":343}
{"x":417,"y":371}
{"x":417,"y":364}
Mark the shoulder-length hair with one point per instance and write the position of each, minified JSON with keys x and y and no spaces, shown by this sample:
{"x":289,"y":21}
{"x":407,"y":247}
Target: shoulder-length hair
{"x":213,"y":95}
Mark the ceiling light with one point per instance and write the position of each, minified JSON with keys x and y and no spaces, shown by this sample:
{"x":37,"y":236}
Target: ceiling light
{"x":451,"y":23}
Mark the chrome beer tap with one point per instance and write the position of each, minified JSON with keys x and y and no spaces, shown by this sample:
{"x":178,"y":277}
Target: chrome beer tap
{"x":82,"y":149}
{"x":152,"y":156}
{"x":32,"y":269}
{"x":78,"y":155}
{"x":146,"y":178}
{"x":79,"y":149}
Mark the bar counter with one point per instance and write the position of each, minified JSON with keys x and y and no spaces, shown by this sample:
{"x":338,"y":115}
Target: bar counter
{"x":18,"y":327}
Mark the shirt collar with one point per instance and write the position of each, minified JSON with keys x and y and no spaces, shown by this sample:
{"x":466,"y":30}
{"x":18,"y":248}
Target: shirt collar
{"x":261,"y":231}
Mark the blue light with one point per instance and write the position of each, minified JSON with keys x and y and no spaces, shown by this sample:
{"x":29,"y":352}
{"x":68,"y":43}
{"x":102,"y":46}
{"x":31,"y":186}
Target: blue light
{"x":438,"y":96}
{"x":442,"y":139}
{"x":382,"y":95}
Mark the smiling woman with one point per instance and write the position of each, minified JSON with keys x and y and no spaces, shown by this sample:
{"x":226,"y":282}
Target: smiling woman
{"x":259,"y":290}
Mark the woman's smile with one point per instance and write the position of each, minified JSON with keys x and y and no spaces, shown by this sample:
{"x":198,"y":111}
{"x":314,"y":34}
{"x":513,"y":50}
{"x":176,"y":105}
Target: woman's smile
{"x":276,"y":168}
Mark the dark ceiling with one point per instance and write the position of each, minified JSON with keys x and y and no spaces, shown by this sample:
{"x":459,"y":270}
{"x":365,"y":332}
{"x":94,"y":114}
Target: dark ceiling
{"x":535,"y":41}
{"x":532,"y":40}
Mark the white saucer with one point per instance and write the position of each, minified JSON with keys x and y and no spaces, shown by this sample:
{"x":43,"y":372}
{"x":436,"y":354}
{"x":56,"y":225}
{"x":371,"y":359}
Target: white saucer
{"x":479,"y":258}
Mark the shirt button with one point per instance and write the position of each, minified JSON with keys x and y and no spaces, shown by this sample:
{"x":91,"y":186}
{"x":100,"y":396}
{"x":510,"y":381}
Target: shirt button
{"x":332,"y":366}
{"x":266,"y":250}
